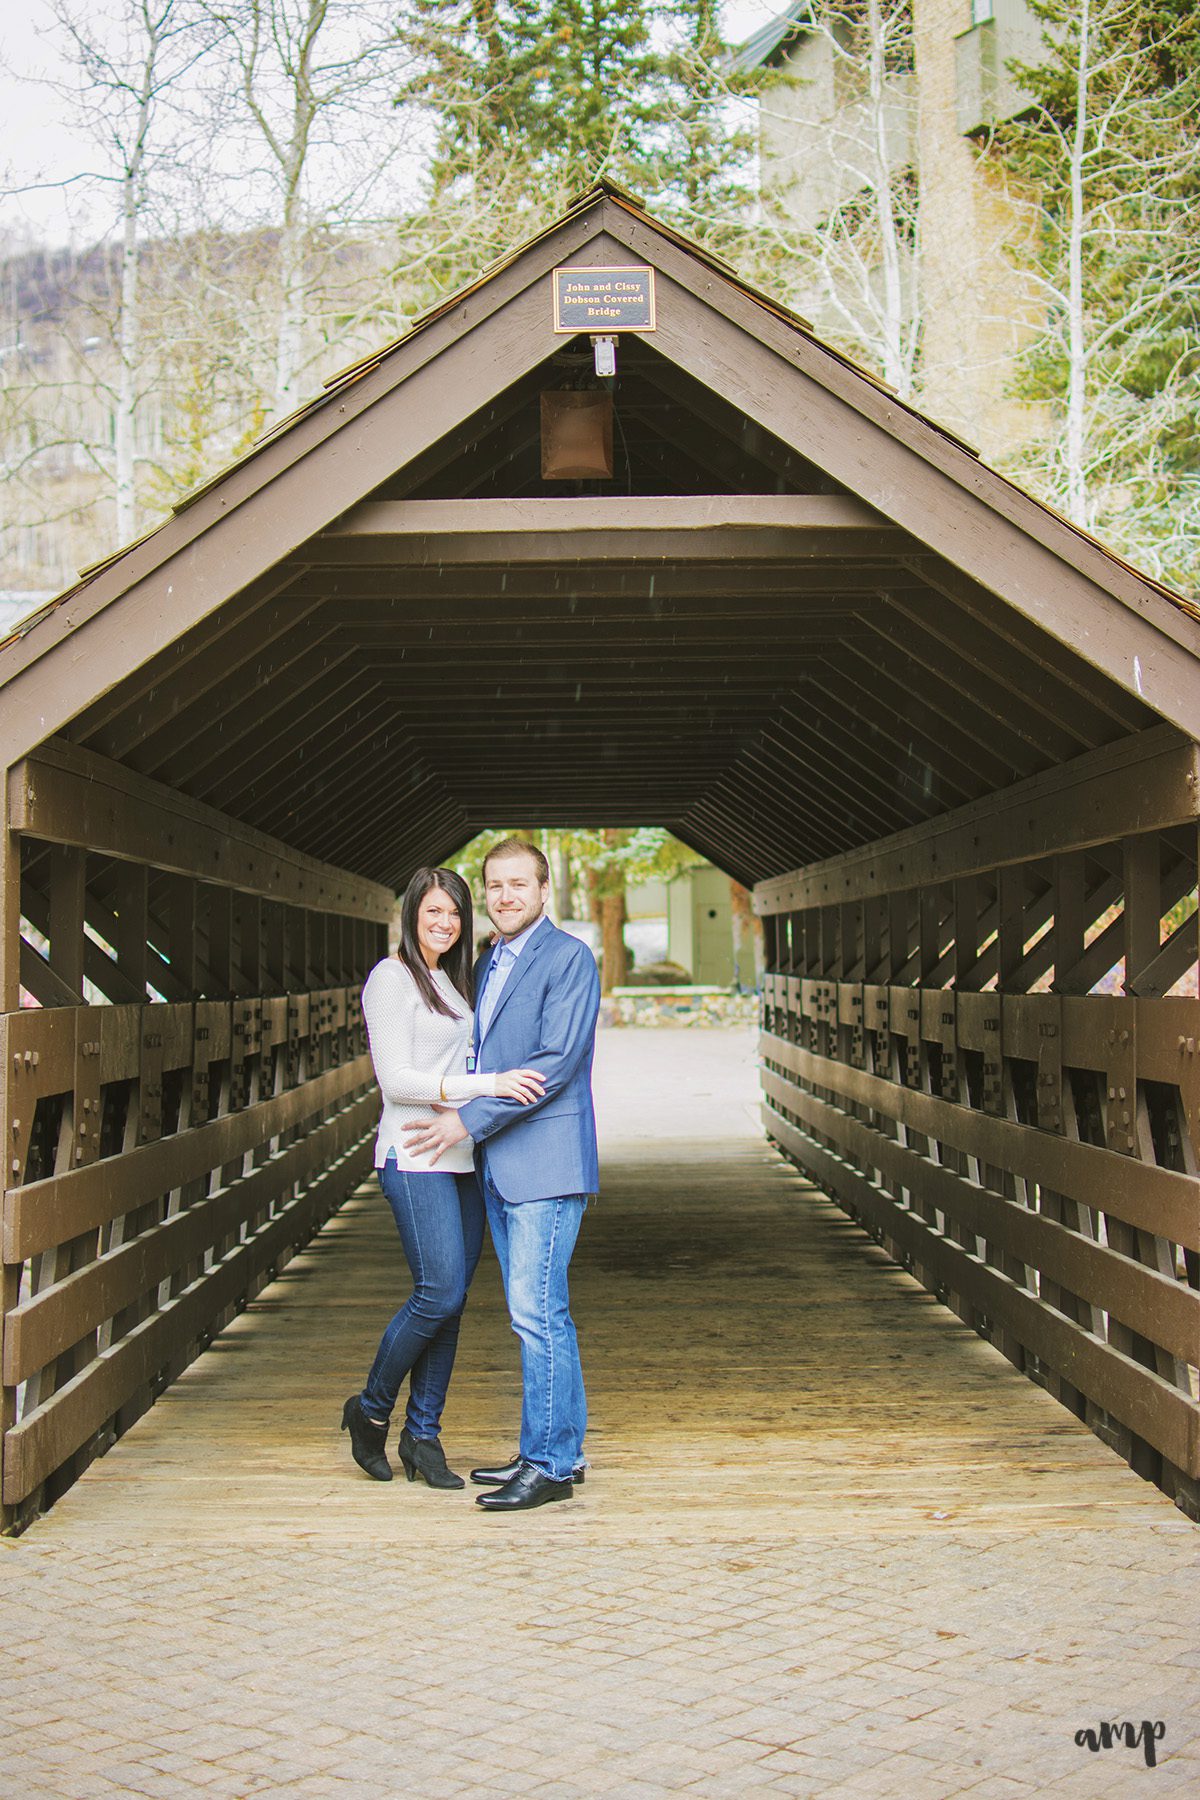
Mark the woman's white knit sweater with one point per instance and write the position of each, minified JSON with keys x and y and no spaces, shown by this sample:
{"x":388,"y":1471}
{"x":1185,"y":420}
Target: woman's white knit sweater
{"x":419,"y":1056}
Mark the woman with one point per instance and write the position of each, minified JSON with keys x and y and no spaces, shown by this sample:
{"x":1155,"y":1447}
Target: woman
{"x":419,"y":1014}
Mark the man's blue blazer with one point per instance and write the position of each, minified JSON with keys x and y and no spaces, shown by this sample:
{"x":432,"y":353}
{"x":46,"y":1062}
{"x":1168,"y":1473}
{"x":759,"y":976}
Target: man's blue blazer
{"x":545,"y":1019}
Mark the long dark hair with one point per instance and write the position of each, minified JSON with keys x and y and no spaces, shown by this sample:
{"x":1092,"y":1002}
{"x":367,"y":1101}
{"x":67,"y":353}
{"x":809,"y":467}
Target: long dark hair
{"x":457,"y":960}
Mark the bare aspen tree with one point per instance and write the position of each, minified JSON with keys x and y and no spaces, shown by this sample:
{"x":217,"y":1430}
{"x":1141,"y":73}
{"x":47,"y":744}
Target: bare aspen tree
{"x":129,"y":56}
{"x":885,"y":27}
{"x":315,"y":82}
{"x":840,"y":219}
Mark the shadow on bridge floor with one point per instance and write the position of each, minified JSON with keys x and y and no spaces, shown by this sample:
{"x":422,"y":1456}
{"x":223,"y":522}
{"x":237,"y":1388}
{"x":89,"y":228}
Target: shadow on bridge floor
{"x":831,"y":1543}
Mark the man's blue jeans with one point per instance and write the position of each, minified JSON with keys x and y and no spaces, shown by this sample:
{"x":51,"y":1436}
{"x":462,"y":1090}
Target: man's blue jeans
{"x":534,"y":1241}
{"x":440,"y":1221}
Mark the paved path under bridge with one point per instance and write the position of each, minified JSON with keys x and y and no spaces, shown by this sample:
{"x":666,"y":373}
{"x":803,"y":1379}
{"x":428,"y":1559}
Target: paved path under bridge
{"x":831,"y":1544}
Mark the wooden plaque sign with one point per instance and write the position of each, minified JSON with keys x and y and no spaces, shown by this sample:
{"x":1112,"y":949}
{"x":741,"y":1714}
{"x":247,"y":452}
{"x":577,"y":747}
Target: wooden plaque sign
{"x":604,"y":300}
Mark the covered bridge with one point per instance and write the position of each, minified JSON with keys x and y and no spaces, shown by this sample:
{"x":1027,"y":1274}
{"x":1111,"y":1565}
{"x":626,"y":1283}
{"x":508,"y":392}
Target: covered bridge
{"x":951,"y":740}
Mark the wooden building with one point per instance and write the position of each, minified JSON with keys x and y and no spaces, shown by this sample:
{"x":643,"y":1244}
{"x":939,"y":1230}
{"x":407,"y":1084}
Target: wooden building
{"x":951,"y":739}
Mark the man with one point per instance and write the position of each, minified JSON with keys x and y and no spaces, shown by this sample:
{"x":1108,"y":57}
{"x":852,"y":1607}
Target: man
{"x":537,"y":998}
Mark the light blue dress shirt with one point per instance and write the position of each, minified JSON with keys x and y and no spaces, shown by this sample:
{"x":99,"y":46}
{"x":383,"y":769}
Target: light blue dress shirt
{"x":504,"y":959}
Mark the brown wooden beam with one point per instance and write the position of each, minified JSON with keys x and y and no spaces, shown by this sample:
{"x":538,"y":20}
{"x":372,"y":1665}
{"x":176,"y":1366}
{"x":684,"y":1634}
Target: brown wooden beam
{"x":39,"y":979}
{"x":1143,"y":1298}
{"x":41,"y":1441}
{"x":750,"y":527}
{"x":132,"y":715}
{"x":67,"y":795}
{"x":1143,"y":783}
{"x":61,"y":1207}
{"x":1058,"y":663}
{"x":1143,"y":1195}
{"x":617,"y":588}
{"x":921,"y":479}
{"x":1169,"y":965}
{"x":255,"y":513}
{"x":98,"y":968}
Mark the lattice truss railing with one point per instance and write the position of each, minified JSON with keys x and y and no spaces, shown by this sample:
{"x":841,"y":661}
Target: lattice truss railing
{"x":187,"y":1092}
{"x":941,"y":1056}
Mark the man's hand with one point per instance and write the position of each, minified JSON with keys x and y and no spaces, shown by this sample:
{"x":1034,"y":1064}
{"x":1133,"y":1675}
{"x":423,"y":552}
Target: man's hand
{"x":432,"y":1137}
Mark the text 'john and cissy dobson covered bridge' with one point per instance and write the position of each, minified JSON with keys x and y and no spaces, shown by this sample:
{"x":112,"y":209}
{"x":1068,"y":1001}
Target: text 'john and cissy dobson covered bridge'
{"x":952,"y":741}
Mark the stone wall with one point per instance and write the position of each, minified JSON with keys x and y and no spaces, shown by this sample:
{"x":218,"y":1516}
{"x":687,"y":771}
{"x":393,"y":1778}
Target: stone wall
{"x":698,"y":1006}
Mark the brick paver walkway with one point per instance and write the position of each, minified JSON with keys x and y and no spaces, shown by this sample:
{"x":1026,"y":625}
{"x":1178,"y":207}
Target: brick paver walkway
{"x":831,"y":1544}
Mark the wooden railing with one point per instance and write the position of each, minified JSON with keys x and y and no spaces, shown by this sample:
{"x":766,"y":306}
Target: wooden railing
{"x":1030,"y":1156}
{"x":165,"y":1162}
{"x":186,"y":1092}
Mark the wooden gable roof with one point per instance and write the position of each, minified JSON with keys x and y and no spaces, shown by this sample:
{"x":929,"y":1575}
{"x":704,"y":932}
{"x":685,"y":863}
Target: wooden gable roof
{"x":301,"y":616}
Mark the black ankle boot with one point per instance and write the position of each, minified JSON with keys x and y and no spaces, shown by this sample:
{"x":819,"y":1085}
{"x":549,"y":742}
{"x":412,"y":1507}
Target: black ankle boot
{"x":425,"y":1456}
{"x":367,"y":1440}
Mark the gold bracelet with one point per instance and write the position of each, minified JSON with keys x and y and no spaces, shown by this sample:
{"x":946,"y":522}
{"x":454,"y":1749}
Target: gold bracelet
{"x":442,"y":1089}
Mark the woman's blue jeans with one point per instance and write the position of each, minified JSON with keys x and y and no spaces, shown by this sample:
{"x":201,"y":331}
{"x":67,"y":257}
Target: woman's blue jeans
{"x":440,"y":1221}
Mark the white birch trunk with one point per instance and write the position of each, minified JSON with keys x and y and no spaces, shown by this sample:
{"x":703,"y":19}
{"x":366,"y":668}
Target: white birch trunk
{"x":129,"y":322}
{"x":128,"y":334}
{"x":289,"y":324}
{"x":895,"y":367}
{"x":1076,"y":473}
{"x":289,"y":152}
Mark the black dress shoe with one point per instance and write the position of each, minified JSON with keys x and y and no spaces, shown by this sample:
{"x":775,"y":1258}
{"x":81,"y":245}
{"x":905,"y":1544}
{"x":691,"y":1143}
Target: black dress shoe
{"x":499,"y":1477}
{"x":528,"y":1487}
{"x":367,"y":1440}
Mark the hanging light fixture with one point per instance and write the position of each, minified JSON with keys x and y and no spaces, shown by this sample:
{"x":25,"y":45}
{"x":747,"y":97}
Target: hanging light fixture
{"x":577,"y":435}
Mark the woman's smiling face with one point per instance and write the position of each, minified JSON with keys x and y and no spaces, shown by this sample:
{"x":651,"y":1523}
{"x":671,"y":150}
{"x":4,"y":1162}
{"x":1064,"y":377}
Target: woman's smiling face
{"x":438,"y":925}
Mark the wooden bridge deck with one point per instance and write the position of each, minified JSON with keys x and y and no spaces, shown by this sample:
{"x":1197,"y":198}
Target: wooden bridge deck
{"x":831,"y":1543}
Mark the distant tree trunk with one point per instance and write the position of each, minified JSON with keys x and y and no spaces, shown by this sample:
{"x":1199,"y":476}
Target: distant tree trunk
{"x":614,"y":956}
{"x":560,"y":868}
{"x":606,"y":908}
{"x":746,"y":931}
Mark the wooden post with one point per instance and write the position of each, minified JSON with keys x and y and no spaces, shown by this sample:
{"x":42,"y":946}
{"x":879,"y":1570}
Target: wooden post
{"x":10,"y":921}
{"x":874,"y":917}
{"x":1010,"y":924}
{"x":132,"y":924}
{"x":67,"y":867}
{"x":181,"y":929}
{"x":966,"y":928}
{"x":1068,"y":913}
{"x":248,"y":942}
{"x":10,"y":1173}
{"x":219,"y":907}
{"x":1142,"y":882}
{"x":930,"y":931}
{"x":899,"y":932}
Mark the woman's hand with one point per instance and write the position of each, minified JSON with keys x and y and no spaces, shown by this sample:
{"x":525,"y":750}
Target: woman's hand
{"x":525,"y":1085}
